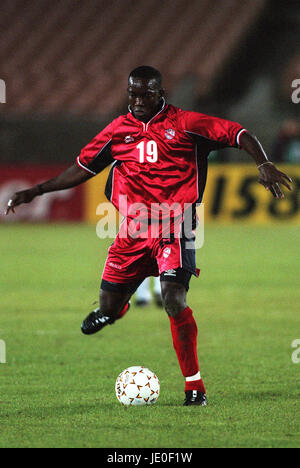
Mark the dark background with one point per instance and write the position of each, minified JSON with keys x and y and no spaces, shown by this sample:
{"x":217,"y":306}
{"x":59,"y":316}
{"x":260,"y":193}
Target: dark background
{"x":65,"y":65}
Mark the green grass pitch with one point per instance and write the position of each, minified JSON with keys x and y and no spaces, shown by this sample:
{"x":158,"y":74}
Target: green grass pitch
{"x":57,"y":387}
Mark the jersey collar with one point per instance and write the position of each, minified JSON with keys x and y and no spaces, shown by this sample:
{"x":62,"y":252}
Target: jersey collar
{"x":164,"y":105}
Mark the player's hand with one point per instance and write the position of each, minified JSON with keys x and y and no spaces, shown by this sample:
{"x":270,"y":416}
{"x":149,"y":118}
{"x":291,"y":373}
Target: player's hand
{"x":26,"y":196}
{"x":270,"y":177}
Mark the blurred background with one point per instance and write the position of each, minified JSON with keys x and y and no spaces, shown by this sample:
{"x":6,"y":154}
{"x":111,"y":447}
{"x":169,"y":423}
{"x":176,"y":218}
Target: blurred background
{"x":64,"y":66}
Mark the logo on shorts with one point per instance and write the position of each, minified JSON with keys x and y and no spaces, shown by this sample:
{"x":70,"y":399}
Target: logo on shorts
{"x":129,"y":139}
{"x":170,"y":273}
{"x":170,"y":133}
{"x":166,"y":252}
{"x":114,"y":265}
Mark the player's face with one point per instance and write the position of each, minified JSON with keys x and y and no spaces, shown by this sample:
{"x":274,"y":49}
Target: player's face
{"x":144,"y":98}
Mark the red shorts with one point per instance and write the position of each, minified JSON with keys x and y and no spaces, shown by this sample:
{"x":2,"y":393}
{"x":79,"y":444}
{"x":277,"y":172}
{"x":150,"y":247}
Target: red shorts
{"x":134,"y":255}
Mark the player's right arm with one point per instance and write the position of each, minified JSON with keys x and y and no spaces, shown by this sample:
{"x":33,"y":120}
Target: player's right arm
{"x":70,"y":178}
{"x":93,"y":159}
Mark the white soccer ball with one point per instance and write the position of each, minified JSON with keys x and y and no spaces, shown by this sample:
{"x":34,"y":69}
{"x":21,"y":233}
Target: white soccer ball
{"x":137,"y":385}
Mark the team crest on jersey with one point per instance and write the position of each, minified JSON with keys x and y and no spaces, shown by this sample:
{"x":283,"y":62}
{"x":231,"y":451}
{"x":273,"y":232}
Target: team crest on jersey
{"x":170,"y":133}
{"x":166,"y":252}
{"x":129,"y":139}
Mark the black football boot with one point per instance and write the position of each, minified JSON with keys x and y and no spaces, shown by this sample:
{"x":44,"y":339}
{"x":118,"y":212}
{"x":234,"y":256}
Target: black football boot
{"x":95,"y":321}
{"x":196,"y":398}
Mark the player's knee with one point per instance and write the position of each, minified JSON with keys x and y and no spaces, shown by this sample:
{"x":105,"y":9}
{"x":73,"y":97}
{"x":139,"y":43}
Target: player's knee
{"x":174,"y":299}
{"x":110,"y":304}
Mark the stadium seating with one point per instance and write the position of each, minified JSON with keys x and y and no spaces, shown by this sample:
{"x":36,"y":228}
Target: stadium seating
{"x":74,"y":57}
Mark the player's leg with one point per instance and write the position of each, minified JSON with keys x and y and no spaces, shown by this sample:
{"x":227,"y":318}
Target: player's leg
{"x":157,"y":292}
{"x":113,"y":305}
{"x":176,"y":258}
{"x":184,"y":333}
{"x":124,"y":270}
{"x":143,"y":293}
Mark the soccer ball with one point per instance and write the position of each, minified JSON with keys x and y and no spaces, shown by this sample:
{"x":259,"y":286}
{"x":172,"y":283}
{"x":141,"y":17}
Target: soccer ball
{"x":137,"y":385}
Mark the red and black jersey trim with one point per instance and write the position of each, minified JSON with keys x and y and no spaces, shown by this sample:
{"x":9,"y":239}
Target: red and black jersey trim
{"x":101,"y":160}
{"x":237,"y":138}
{"x":110,"y":180}
{"x":187,"y":240}
{"x":203,"y":147}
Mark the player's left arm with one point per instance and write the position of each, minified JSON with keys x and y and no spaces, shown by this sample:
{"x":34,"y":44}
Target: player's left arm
{"x":269,"y":176}
{"x":220,"y":133}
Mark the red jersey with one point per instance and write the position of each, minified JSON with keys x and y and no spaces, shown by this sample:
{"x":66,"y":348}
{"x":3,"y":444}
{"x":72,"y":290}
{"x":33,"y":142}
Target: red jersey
{"x":161,"y":161}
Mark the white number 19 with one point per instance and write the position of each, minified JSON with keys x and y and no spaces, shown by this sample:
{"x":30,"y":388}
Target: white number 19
{"x":151,"y":151}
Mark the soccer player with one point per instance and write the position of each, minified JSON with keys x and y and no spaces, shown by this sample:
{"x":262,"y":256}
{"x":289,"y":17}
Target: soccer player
{"x":159,"y":156}
{"x":144,"y":294}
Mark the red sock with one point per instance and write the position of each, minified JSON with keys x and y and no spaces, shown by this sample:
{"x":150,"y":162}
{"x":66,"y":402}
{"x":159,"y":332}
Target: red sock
{"x":195,"y":385}
{"x":184,"y":333}
{"x":123,"y":312}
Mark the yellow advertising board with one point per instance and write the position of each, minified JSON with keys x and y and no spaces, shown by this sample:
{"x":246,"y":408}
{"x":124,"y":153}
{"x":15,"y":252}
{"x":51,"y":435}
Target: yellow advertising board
{"x":94,"y":195}
{"x":232,"y":195}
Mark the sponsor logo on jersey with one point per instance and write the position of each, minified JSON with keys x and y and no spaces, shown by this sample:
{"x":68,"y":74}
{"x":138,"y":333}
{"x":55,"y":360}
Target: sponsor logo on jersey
{"x":170,"y":133}
{"x":129,"y":139}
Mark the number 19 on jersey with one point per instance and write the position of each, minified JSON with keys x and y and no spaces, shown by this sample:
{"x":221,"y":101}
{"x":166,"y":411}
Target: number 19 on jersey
{"x":148,"y":151}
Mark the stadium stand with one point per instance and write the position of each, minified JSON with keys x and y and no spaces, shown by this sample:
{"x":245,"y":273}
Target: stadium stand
{"x":73,"y":57}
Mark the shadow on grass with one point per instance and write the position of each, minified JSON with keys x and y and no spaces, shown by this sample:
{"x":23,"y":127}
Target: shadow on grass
{"x":81,"y":409}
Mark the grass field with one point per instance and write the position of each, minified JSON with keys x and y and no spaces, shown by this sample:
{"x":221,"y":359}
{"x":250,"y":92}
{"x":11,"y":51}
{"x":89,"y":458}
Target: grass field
{"x":57,"y":387}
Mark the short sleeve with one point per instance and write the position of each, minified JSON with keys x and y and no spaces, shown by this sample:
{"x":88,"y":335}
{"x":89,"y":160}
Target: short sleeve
{"x":220,"y":132}
{"x":97,"y":155}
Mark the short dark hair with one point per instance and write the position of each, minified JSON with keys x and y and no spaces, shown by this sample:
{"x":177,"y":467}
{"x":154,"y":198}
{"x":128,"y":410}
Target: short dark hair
{"x":148,"y":73}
